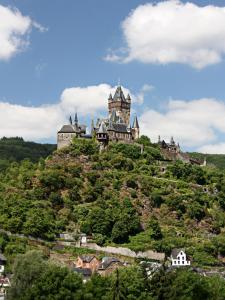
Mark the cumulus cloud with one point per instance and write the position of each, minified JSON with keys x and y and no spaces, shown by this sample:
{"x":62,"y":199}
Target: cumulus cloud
{"x":39,"y":123}
{"x":14,"y":31}
{"x":218,"y":148}
{"x":193,"y":123}
{"x":174,"y":32}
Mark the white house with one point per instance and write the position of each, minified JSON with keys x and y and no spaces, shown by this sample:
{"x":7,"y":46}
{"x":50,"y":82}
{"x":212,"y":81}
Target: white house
{"x":179,"y":258}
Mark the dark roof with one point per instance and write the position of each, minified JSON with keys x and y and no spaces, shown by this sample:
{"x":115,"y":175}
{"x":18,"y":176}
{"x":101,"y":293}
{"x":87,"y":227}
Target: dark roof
{"x":83,"y":271}
{"x":107,"y":261}
{"x":118,"y":127}
{"x":67,"y":129}
{"x":87,"y":258}
{"x":176,"y":251}
{"x":119,"y":95}
{"x":135,"y":124}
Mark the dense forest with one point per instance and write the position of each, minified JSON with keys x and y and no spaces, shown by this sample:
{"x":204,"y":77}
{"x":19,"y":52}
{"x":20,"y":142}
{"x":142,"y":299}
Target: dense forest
{"x":120,"y":197}
{"x":16,"y":149}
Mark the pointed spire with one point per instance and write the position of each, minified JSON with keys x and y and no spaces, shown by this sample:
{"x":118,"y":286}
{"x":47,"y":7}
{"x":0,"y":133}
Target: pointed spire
{"x":70,"y":120}
{"x":128,"y":98}
{"x":172,"y":141}
{"x":159,"y":139}
{"x":102,"y":128}
{"x":76,"y":119}
{"x":110,"y":97}
{"x":119,"y":95}
{"x":135,"y":124}
{"x":92,"y":125}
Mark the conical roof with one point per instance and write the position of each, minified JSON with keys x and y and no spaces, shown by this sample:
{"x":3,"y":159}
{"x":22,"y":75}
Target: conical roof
{"x":110,"y":97}
{"x":102,"y":128}
{"x":135,"y":124}
{"x":119,"y":95}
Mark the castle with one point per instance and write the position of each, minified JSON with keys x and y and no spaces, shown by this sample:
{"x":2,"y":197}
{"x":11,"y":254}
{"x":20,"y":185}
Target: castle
{"x":116,"y":127}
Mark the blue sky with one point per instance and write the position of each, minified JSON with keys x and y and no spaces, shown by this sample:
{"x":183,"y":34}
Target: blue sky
{"x":72,"y":49}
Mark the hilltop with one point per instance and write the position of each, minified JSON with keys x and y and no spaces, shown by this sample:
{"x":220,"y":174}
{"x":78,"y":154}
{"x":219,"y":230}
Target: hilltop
{"x":121,"y":197}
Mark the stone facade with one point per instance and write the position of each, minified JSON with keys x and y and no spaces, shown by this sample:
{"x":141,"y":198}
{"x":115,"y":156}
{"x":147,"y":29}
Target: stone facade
{"x":116,"y":127}
{"x":70,"y":131}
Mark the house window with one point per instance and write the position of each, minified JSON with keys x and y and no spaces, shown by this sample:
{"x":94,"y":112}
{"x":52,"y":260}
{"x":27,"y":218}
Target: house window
{"x":178,"y":262}
{"x":175,"y":262}
{"x":183,"y":262}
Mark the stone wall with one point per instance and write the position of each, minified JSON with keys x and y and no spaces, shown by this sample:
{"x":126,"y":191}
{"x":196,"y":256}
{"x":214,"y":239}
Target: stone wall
{"x":127,"y":252}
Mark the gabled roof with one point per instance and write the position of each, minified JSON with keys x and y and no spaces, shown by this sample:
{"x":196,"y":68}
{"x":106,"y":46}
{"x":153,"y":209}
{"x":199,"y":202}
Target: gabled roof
{"x":176,"y":251}
{"x":119,"y":95}
{"x":87,"y":258}
{"x":107,"y":261}
{"x":67,"y":129}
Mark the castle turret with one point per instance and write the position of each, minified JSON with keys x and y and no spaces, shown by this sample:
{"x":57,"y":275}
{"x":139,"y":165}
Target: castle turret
{"x":102,"y":136}
{"x":135,"y":128}
{"x":76,"y":122}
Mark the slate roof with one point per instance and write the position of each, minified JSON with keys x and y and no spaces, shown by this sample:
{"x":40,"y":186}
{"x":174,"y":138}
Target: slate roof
{"x":102,"y":128}
{"x":83,"y":271}
{"x":67,"y":129}
{"x":135,"y":124}
{"x":87,"y":258}
{"x":107,"y":261}
{"x":119,"y":95}
{"x":175,"y":252}
{"x":118,"y":127}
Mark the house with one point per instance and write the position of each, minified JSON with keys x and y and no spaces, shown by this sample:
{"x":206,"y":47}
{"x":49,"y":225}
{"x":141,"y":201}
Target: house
{"x":85,"y":272}
{"x":4,"y":285}
{"x":2,"y":263}
{"x":108,"y":265}
{"x":87,"y":262}
{"x":179,"y":258}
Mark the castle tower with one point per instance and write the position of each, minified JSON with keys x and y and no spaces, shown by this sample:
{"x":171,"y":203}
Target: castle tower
{"x":102,"y":136}
{"x":120,"y":105}
{"x":135,"y":128}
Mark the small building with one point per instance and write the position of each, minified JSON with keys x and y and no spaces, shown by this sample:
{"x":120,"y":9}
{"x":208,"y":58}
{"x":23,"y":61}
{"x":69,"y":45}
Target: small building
{"x":2,"y":263}
{"x":85,"y":272}
{"x":83,"y":238}
{"x":4,"y":285}
{"x":179,"y":258}
{"x":108,"y":265}
{"x":87,"y":262}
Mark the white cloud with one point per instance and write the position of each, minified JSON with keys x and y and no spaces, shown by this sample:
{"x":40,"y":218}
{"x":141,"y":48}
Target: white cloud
{"x":39,"y":123}
{"x":174,"y":32}
{"x":213,"y":148}
{"x":193,"y":123}
{"x":14,"y":31}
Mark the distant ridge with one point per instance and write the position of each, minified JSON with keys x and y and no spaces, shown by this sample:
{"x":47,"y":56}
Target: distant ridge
{"x":16,"y":149}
